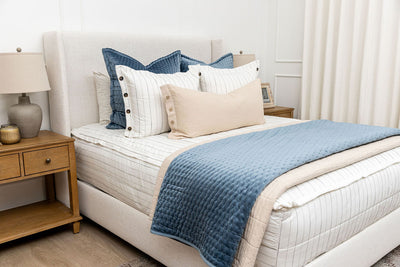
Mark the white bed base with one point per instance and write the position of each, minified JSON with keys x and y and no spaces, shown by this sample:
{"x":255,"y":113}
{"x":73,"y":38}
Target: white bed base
{"x":134,"y":227}
{"x":71,"y":58}
{"x":363,"y":249}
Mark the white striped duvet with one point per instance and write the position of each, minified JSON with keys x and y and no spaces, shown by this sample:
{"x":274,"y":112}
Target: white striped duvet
{"x":307,"y":220}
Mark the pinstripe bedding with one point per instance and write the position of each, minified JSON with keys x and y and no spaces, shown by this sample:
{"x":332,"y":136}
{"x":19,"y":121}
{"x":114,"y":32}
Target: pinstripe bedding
{"x":340,"y":203}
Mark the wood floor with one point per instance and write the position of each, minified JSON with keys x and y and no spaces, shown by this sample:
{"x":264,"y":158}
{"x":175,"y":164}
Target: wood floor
{"x":93,"y":246}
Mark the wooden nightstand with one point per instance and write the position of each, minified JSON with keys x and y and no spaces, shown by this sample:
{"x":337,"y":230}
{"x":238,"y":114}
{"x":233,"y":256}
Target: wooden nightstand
{"x":44,"y":155}
{"x":279,"y":112}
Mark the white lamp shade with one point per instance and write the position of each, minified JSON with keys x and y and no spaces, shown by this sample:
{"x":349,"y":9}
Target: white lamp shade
{"x":22,"y":73}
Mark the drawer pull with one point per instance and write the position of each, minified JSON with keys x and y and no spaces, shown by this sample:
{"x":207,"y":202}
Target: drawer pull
{"x":48,"y":161}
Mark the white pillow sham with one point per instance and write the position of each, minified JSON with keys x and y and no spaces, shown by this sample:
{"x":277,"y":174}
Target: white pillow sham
{"x":102,"y":84}
{"x":144,"y":107}
{"x":224,"y":81}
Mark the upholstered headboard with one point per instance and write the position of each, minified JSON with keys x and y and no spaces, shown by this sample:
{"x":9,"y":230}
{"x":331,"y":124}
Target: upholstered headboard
{"x":71,"y":58}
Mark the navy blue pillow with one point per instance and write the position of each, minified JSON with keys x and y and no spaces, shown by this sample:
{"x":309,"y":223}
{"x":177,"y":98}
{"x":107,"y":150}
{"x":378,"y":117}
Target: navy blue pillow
{"x":168,"y":64}
{"x":224,"y":62}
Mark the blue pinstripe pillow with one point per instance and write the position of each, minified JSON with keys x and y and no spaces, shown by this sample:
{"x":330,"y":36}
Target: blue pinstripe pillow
{"x":224,"y":62}
{"x":168,"y":64}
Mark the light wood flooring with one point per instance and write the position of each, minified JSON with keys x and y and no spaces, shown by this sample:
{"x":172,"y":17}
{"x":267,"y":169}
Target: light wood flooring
{"x":93,"y":246}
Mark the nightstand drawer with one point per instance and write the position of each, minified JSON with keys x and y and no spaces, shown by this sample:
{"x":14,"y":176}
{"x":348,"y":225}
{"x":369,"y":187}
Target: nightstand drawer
{"x":278,"y":111}
{"x":285,"y":115}
{"x":9,"y":166}
{"x":46,"y":160}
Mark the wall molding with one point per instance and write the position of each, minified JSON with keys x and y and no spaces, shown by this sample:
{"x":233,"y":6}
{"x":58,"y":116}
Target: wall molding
{"x":60,"y":16}
{"x":279,"y":60}
{"x":282,"y":75}
{"x":71,"y":15}
{"x":83,"y":25}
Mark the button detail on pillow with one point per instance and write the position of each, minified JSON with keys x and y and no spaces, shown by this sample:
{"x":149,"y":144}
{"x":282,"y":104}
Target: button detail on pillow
{"x":144,"y":108}
{"x":168,"y":64}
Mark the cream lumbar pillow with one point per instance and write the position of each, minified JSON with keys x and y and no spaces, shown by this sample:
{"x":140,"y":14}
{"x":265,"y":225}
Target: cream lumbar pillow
{"x":192,"y":113}
{"x":223,"y":81}
{"x":102,"y":84}
{"x":144,"y":109}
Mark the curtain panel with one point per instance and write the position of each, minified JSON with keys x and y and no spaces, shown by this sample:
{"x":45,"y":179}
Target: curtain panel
{"x":351,"y":61}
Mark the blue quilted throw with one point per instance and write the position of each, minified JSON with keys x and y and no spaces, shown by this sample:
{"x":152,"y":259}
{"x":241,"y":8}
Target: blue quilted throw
{"x":208,"y":191}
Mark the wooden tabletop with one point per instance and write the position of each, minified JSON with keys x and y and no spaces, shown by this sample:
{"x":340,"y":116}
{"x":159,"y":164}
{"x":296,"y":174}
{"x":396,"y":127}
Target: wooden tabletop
{"x":43,"y":139}
{"x":278,"y":109}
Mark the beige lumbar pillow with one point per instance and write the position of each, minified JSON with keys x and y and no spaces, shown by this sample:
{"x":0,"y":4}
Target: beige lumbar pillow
{"x":192,"y":113}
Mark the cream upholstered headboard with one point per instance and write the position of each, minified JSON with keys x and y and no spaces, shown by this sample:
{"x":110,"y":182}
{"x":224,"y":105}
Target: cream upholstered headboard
{"x":71,"y":58}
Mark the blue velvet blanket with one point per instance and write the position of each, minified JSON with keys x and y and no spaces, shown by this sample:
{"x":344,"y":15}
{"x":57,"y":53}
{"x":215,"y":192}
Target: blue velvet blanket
{"x":208,"y":191}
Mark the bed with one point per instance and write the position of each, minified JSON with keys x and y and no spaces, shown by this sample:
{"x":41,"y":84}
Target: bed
{"x":349,"y":227}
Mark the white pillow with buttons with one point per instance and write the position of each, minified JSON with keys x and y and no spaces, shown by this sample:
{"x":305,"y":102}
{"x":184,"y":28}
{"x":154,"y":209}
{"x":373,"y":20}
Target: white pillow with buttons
{"x":144,"y":108}
{"x":224,"y":81}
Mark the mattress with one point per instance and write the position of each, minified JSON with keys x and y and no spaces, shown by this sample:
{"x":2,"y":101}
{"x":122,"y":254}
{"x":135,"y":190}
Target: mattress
{"x":307,"y":220}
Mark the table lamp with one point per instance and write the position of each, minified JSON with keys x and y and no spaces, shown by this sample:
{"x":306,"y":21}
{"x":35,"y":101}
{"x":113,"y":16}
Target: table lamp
{"x":24,"y":73}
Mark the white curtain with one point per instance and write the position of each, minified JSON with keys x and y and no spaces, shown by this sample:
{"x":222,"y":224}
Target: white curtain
{"x":351,"y":61}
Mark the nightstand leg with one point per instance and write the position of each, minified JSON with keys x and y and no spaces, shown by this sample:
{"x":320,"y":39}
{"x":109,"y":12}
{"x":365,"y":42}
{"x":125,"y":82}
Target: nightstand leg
{"x":50,"y":191}
{"x":73,"y":188}
{"x":73,"y":193}
{"x":76,"y":227}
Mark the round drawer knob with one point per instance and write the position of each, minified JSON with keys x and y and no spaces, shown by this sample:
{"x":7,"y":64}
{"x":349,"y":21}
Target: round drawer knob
{"x":48,"y":161}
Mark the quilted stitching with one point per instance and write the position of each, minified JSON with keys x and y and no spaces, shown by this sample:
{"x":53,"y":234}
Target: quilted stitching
{"x":208,"y":191}
{"x":224,"y":62}
{"x":168,"y":64}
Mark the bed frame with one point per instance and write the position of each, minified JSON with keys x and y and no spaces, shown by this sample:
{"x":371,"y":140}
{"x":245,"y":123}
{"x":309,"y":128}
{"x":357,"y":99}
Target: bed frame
{"x":71,"y":57}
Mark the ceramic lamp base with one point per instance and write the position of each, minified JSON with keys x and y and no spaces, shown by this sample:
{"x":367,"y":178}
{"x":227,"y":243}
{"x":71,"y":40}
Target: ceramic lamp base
{"x":27,"y":116}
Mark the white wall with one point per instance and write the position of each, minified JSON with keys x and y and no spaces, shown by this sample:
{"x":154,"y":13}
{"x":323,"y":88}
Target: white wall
{"x":283,"y":61}
{"x":21,"y":25}
{"x":272,"y":29}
